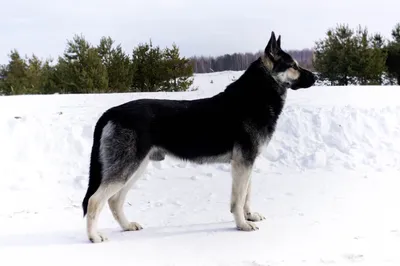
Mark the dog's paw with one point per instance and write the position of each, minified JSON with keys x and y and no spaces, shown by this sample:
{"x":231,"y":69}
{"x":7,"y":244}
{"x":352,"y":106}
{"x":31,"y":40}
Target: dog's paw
{"x":247,"y":226}
{"x":254,"y":217}
{"x":97,"y":238}
{"x":134,"y":227}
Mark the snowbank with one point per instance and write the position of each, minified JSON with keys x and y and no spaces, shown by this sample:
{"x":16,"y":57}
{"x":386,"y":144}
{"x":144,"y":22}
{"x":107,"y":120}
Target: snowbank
{"x":46,"y":140}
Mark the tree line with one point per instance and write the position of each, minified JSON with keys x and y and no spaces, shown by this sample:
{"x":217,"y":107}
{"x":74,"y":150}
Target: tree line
{"x":85,"y":68}
{"x":344,"y":56}
{"x":240,"y":61}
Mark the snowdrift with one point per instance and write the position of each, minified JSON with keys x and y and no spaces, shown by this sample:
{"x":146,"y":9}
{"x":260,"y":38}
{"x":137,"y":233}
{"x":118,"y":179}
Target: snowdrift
{"x":48,"y":138}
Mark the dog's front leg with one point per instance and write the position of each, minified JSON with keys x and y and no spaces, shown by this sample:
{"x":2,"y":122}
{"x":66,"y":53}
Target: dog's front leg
{"x":251,"y":216}
{"x":241,"y":171}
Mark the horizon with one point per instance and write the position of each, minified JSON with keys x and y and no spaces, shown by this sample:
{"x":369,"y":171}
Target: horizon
{"x":198,"y":28}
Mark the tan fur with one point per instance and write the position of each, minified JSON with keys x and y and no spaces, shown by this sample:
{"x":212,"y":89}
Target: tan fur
{"x":248,"y":214}
{"x":96,"y":204}
{"x":240,"y":195}
{"x":289,"y":75}
{"x":267,"y":62}
{"x":292,"y":73}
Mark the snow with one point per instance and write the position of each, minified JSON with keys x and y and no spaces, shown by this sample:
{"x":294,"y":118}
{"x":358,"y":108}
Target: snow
{"x":328,"y":184}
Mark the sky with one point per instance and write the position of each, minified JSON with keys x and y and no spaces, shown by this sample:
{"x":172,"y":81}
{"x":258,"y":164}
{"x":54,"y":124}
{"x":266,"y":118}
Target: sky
{"x":198,"y":27}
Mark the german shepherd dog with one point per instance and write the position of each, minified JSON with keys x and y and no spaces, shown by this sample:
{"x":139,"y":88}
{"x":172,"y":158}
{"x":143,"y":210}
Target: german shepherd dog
{"x":230,"y":127}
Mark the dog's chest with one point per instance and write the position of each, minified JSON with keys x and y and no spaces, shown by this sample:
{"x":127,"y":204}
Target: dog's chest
{"x":265,"y":125}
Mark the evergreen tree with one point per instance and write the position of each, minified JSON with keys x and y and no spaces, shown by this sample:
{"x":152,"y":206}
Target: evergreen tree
{"x":14,"y":74}
{"x":25,"y":75}
{"x":377,"y":60}
{"x":179,"y":71}
{"x":147,"y":67}
{"x":393,"y":54}
{"x":334,"y":55}
{"x":396,"y":33}
{"x":118,"y":65}
{"x":369,"y":60}
{"x":49,"y":82}
{"x":34,"y":76}
{"x":81,"y":70}
{"x":348,"y":57}
{"x":3,"y":75}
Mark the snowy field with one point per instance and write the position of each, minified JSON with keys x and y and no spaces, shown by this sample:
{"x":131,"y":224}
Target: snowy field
{"x":328,"y":183}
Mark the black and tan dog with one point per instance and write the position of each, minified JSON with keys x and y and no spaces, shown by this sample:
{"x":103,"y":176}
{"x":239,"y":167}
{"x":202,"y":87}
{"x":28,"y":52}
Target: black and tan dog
{"x":230,"y":127}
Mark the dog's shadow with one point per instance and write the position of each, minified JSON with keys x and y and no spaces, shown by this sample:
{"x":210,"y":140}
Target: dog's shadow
{"x":79,"y":237}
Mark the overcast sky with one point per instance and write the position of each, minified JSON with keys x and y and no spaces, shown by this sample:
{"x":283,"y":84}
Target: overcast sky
{"x":199,"y":27}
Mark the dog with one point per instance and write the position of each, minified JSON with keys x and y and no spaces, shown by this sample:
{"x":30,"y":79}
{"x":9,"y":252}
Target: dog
{"x":230,"y":127}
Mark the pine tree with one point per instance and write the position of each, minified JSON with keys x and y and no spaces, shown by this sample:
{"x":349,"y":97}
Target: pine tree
{"x":81,"y":70}
{"x":347,"y":57}
{"x":179,"y":70}
{"x":26,"y":75}
{"x":118,"y":65}
{"x":377,"y":60}
{"x":3,"y":75}
{"x":369,"y":58}
{"x":49,"y":83}
{"x":393,"y":54}
{"x":14,"y":75}
{"x":334,"y":55}
{"x":34,"y":76}
{"x":147,"y":68}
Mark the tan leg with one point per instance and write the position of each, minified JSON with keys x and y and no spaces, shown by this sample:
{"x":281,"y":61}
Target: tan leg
{"x":251,"y":216}
{"x":116,"y":202}
{"x":96,"y":204}
{"x":240,"y":182}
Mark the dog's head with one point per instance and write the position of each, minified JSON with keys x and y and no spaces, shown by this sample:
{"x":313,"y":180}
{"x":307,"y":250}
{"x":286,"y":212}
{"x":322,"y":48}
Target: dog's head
{"x":285,"y":70}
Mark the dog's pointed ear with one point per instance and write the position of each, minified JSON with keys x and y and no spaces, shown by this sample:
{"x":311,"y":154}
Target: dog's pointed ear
{"x":278,"y":42}
{"x":272,"y":47}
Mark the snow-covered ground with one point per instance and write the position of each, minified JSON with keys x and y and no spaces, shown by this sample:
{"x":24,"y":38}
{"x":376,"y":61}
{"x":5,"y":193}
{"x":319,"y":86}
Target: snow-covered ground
{"x":328,"y":184}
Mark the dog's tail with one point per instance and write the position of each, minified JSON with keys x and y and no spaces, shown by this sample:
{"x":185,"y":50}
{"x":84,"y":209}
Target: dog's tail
{"x":95,"y":171}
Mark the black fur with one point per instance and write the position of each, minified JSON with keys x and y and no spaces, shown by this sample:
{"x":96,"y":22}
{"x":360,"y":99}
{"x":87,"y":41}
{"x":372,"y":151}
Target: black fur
{"x":192,"y":130}
{"x":95,"y":167}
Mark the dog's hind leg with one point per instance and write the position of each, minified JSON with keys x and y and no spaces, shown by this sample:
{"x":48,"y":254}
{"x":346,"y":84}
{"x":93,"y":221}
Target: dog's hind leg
{"x":241,"y":171}
{"x":120,"y":156}
{"x":116,"y":202}
{"x":114,"y":190}
{"x":95,"y":205}
{"x":251,"y":216}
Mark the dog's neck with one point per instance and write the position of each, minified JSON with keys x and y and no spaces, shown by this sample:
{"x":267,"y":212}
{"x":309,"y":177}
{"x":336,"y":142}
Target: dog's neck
{"x":262,"y":80}
{"x":267,"y":66}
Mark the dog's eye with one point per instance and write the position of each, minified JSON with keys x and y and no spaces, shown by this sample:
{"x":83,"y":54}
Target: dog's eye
{"x":294,"y":66}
